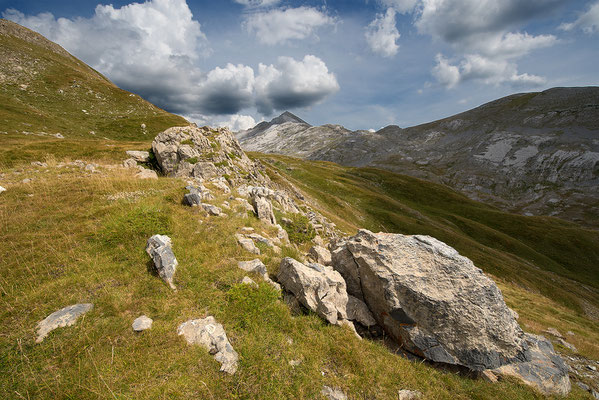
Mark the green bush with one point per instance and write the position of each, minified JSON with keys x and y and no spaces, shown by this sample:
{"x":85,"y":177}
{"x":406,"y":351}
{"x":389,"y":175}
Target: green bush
{"x":300,"y":230}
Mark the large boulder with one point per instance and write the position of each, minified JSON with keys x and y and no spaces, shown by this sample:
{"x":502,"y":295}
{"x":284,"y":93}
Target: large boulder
{"x":159,"y":249}
{"x":438,"y":305}
{"x":204,"y":153}
{"x":317,"y":287}
{"x":211,"y":335}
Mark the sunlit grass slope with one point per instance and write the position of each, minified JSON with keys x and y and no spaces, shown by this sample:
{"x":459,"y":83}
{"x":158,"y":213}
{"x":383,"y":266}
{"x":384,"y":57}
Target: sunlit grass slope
{"x":45,"y":90}
{"x":70,"y":236}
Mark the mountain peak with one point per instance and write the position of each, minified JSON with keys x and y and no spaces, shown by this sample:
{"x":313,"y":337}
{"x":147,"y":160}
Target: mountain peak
{"x":287,"y":117}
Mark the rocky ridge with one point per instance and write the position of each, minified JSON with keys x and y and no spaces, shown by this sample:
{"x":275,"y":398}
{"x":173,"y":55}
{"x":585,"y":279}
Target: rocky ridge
{"x":531,"y":153}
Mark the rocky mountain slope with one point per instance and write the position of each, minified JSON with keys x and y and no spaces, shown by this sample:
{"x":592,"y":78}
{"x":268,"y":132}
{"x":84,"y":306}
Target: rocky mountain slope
{"x":219,"y":275}
{"x":46,"y":92}
{"x":531,"y":153}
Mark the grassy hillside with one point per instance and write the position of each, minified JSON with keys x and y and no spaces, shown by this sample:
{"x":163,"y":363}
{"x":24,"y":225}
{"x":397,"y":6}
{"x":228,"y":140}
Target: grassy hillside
{"x":45,"y":91}
{"x":71,"y":236}
{"x":550,"y":256}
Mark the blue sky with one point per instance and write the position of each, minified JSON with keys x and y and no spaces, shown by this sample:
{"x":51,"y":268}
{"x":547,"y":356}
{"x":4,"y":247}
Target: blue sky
{"x":363,"y":64}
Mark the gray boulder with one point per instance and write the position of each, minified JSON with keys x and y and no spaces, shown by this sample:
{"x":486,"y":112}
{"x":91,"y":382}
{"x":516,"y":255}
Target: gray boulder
{"x":64,"y":317}
{"x":247,"y":244}
{"x":320,"y":255}
{"x":317,"y":287}
{"x":139,"y":156}
{"x":159,"y":249}
{"x":211,"y":335}
{"x":438,"y":305}
{"x":358,"y":311}
{"x":192,"y":199}
{"x":541,"y":367}
{"x":130,"y":163}
{"x":142,"y":323}
{"x":212,"y":209}
{"x":255,"y":266}
{"x":263,"y":209}
{"x":145,"y":173}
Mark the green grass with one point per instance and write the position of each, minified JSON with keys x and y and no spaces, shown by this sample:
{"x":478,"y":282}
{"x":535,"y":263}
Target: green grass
{"x":546,"y":255}
{"x":69,"y":243}
{"x":63,"y":87}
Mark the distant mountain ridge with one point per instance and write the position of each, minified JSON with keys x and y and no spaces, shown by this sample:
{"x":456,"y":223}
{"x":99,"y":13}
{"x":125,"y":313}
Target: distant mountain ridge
{"x":531,"y":153}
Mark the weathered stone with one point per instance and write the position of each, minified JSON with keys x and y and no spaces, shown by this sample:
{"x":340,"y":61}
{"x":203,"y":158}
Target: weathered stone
{"x":358,"y":311}
{"x":263,"y":209}
{"x":567,"y":345}
{"x":255,"y":266}
{"x":64,"y":317}
{"x":2,"y":189}
{"x":488,"y":376}
{"x":145,"y":173}
{"x":130,"y":163}
{"x":245,"y":204}
{"x":542,"y":368}
{"x":249,"y":281}
{"x":333,"y":393}
{"x":247,"y":229}
{"x":282,"y":235}
{"x":211,"y":335}
{"x":139,"y":156}
{"x":320,"y":255}
{"x":211,"y":209}
{"x":192,"y":199}
{"x":553,"y":332}
{"x":438,"y":305}
{"x":405,"y":394}
{"x":319,"y":288}
{"x":247,"y":244}
{"x":221,"y":183}
{"x":159,"y":249}
{"x":142,"y":323}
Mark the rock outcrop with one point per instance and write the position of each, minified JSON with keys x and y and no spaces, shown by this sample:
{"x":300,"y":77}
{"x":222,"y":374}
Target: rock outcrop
{"x":438,"y":305}
{"x":159,"y":249}
{"x":211,"y":335}
{"x":204,"y":153}
{"x":64,"y":317}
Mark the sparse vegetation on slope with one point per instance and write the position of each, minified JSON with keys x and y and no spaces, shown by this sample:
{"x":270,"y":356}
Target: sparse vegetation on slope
{"x":46,"y":91}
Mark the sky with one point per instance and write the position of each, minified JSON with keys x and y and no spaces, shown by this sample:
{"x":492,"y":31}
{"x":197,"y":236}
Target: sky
{"x":364,"y":64}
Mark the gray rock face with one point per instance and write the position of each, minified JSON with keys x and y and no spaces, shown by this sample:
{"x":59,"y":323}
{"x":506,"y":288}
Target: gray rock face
{"x":64,"y":317}
{"x":531,"y":153}
{"x":317,"y":287}
{"x":263,"y":209}
{"x":438,"y":305}
{"x":358,"y":311}
{"x":142,"y":323}
{"x":159,"y":249}
{"x":255,"y":266}
{"x":247,"y":244}
{"x":320,"y":255}
{"x":211,"y":335}
{"x":204,"y":153}
{"x":139,"y":156}
{"x":192,"y":199}
{"x":542,"y":367}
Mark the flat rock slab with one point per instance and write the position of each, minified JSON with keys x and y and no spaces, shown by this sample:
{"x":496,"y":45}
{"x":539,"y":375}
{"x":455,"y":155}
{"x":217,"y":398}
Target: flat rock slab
{"x":333,"y":393}
{"x":256,"y":266}
{"x":142,"y":323}
{"x":64,"y":317}
{"x":211,"y":335}
{"x":159,"y":249}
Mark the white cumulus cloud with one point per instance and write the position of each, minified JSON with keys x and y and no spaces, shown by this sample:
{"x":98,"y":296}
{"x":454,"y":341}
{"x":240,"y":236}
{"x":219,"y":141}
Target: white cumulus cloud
{"x":588,"y":21}
{"x":281,"y":25}
{"x":257,"y":3}
{"x":484,"y":35}
{"x":401,"y":6}
{"x":291,"y":84}
{"x":382,"y":34}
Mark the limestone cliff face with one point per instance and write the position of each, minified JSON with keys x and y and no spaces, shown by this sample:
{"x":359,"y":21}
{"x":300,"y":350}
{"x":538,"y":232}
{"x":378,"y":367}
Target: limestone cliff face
{"x":532,"y":153}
